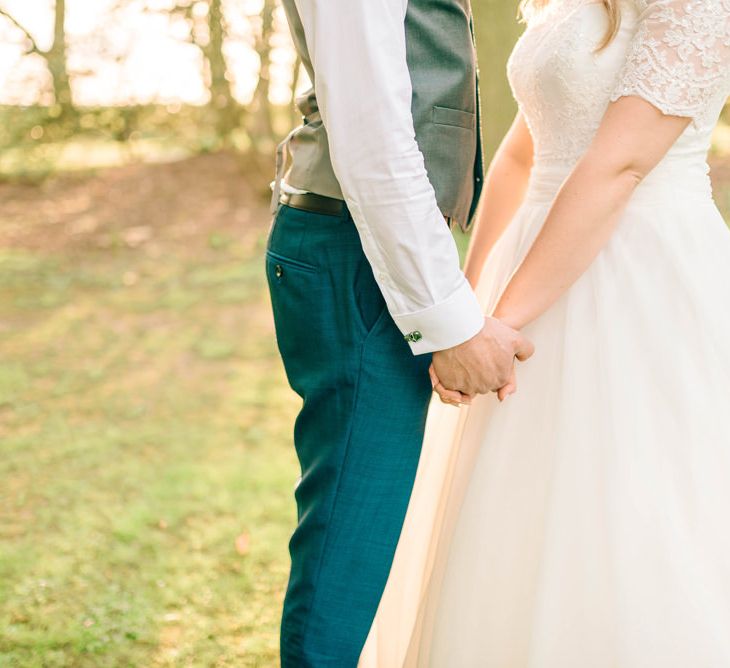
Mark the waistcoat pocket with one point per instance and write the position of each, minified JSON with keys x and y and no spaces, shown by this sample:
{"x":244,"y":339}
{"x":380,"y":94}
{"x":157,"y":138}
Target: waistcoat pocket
{"x":457,"y":117}
{"x":449,"y":139}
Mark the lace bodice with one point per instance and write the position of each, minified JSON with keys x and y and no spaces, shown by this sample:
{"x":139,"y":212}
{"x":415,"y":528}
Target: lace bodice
{"x":673,"y":53}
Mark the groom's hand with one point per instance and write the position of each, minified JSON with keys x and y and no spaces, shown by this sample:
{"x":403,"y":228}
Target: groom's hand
{"x":484,"y":363}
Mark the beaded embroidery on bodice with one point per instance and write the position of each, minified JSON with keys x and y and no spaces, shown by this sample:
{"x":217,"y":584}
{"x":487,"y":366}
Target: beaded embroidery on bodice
{"x":674,"y":53}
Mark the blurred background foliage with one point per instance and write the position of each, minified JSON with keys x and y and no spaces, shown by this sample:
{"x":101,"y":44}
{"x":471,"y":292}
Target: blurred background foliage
{"x":146,"y":465}
{"x":236,"y":72}
{"x":223,"y":56}
{"x":237,"y":105}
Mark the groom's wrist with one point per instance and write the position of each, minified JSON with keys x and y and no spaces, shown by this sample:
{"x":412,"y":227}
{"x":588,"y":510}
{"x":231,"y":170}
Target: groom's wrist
{"x":443,"y":325}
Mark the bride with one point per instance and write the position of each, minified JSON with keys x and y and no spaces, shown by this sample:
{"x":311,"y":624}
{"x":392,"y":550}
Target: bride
{"x":582,"y":522}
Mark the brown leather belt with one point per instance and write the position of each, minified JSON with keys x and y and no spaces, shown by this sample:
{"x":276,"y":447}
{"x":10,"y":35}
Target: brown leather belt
{"x":314,"y":203}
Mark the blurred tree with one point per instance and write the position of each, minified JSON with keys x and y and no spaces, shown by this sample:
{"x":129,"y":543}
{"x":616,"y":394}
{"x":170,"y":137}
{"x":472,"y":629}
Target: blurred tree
{"x":496,"y":28}
{"x":208,"y":31}
{"x":261,"y":127}
{"x":55,"y":57}
{"x":226,"y":107}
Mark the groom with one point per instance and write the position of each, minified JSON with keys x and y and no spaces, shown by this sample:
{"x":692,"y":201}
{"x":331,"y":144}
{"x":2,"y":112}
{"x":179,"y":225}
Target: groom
{"x":365,"y":284}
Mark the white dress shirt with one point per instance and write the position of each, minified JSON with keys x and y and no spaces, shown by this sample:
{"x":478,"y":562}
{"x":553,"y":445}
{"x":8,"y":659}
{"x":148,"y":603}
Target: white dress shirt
{"x":363,"y":88}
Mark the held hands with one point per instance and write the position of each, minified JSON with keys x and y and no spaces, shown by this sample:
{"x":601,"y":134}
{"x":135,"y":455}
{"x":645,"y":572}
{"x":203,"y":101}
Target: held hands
{"x":483,"y":364}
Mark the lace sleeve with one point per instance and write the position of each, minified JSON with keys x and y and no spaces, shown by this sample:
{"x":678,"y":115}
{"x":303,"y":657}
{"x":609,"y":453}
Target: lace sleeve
{"x":680,"y":56}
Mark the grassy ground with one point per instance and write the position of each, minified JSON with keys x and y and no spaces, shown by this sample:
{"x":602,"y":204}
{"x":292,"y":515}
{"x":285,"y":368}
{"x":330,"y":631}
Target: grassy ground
{"x":146,"y":474}
{"x":146,"y":469}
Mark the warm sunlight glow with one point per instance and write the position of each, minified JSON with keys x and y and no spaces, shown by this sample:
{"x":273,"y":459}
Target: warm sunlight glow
{"x":131,"y":52}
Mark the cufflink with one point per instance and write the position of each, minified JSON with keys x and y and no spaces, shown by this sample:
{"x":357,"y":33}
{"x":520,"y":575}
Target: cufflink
{"x":413,"y":337}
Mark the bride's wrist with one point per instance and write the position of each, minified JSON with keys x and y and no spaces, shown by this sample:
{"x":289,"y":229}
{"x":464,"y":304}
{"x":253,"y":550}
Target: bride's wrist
{"x":508,"y":317}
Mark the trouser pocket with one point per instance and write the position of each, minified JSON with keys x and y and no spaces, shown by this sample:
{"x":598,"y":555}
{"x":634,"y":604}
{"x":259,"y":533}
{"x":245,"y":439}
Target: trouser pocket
{"x":368,"y":301}
{"x":323,"y":292}
{"x":301,"y":298}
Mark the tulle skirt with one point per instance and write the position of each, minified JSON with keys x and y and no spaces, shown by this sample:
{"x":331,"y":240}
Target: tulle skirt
{"x":584,"y":522}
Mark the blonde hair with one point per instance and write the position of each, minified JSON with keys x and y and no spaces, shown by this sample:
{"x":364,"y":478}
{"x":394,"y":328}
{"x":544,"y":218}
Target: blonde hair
{"x":612,"y":7}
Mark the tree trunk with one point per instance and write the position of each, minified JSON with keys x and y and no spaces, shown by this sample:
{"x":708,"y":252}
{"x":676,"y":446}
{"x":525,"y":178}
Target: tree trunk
{"x":221,"y":97}
{"x":497,"y":30}
{"x":56,"y":59}
{"x":262,"y":130}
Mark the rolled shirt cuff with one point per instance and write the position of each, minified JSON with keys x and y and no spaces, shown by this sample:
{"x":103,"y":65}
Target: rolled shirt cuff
{"x":443,"y":325}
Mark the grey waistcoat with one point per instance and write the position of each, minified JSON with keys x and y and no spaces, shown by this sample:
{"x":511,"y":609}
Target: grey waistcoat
{"x":445,"y":108}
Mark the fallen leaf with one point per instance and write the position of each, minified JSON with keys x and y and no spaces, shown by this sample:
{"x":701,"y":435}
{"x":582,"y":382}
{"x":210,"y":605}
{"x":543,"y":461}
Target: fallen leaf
{"x":243,"y":543}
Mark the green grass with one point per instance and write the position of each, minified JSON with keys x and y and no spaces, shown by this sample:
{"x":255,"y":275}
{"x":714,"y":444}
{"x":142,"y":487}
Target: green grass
{"x":144,"y":428}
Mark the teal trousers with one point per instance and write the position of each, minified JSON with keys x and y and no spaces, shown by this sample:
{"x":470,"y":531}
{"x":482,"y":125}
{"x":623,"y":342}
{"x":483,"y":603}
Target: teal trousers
{"x":358,"y":435}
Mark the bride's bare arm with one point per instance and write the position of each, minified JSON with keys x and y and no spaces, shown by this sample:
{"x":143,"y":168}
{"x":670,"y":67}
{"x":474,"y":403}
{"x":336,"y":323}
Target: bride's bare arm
{"x":504,"y":189}
{"x":633,"y":137}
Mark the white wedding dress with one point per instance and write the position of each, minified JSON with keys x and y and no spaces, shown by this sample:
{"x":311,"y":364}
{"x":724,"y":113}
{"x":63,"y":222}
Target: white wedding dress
{"x":585,"y":522}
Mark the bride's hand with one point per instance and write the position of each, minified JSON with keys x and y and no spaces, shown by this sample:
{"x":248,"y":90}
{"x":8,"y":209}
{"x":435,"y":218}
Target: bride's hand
{"x":452,"y":397}
{"x":509,"y":388}
{"x":455,"y":398}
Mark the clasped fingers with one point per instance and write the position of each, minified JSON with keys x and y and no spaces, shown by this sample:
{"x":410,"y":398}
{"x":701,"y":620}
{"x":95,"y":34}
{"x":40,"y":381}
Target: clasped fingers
{"x":451,"y":397}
